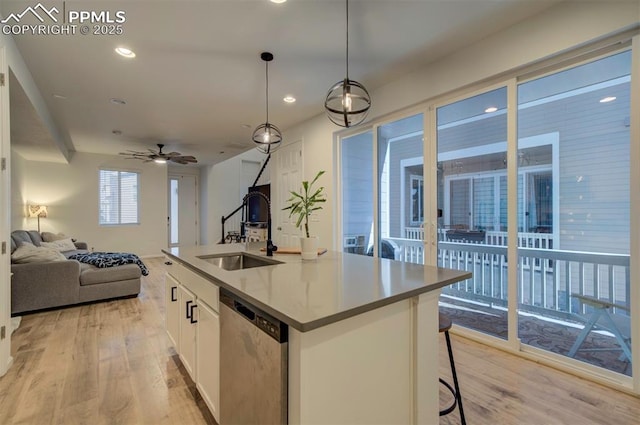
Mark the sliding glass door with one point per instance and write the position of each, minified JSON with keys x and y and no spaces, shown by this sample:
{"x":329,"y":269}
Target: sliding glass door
{"x":401,"y":189}
{"x":357,"y":193}
{"x":382,"y":181}
{"x":472,"y":198}
{"x":574,"y":279}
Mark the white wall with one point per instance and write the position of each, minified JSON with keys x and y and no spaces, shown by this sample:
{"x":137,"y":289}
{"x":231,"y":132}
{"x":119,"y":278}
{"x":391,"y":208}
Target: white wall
{"x":71,"y":193}
{"x":220,"y":185}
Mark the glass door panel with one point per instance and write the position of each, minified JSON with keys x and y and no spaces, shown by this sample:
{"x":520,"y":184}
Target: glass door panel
{"x":472,"y":194}
{"x":400,"y":190}
{"x":574,"y":212}
{"x":357,"y":193}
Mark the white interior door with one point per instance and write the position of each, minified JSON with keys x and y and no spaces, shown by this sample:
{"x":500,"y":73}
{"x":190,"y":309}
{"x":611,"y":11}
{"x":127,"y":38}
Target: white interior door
{"x":288,"y":178}
{"x":5,"y":210}
{"x":183,"y":210}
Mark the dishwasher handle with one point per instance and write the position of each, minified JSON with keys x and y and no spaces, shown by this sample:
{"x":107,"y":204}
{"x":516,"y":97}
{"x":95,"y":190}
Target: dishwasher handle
{"x":246,"y":312}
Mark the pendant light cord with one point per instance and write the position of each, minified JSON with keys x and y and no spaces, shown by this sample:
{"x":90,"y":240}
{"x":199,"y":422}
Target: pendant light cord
{"x":347,"y":56}
{"x":267,"y":88}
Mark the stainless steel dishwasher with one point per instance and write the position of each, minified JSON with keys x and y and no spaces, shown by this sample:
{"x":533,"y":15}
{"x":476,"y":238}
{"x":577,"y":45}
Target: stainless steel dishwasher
{"x":253,"y":364}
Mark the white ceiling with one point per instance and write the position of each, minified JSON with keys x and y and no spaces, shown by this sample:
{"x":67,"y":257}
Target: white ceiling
{"x":198,"y":84}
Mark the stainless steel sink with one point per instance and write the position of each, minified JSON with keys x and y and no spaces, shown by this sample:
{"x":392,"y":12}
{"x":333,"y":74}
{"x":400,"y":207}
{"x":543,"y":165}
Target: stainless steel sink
{"x":238,"y":261}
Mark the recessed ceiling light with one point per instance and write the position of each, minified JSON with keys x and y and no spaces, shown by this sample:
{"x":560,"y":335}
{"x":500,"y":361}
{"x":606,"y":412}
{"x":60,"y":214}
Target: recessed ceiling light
{"x":59,"y":96}
{"x":117,"y":101}
{"x":608,"y":99}
{"x":277,"y":1}
{"x":491,"y":109}
{"x":127,"y":53}
{"x":289,"y":99}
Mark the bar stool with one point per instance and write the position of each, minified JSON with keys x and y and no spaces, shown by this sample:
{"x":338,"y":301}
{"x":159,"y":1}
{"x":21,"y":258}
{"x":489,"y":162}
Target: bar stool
{"x":444,"y":326}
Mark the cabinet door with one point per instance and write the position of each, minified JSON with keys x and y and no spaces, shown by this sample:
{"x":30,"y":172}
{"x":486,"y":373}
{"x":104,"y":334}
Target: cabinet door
{"x":208,"y":357}
{"x":172,"y":310}
{"x":188,"y":322}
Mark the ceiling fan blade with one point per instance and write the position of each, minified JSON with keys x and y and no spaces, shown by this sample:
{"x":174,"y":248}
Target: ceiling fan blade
{"x":158,"y":154}
{"x":183,"y":159}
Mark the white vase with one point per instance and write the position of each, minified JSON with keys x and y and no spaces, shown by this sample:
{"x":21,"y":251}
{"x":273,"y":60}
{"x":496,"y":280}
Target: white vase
{"x":309,"y":248}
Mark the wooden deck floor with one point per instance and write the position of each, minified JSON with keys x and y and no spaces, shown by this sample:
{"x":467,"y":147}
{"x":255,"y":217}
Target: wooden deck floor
{"x":110,"y":363}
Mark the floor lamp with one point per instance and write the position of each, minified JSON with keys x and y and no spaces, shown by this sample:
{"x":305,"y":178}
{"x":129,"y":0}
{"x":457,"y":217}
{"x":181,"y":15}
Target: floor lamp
{"x":38,"y":211}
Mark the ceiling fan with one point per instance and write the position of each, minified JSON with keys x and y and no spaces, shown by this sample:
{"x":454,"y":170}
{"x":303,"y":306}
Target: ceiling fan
{"x":159,"y":156}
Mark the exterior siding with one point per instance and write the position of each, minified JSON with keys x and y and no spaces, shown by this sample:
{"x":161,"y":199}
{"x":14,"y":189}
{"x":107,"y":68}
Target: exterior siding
{"x":594,"y":163}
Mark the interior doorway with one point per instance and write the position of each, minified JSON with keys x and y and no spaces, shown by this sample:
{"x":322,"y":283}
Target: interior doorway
{"x":288,"y":172}
{"x":183,"y":210}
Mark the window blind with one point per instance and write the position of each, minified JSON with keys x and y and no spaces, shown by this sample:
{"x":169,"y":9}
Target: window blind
{"x":118,"y":197}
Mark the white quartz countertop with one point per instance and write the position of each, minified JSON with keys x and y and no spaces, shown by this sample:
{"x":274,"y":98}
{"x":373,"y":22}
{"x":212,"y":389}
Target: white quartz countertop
{"x":310,"y":294}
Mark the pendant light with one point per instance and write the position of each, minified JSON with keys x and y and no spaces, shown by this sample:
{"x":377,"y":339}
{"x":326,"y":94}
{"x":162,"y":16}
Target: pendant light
{"x":347,"y":102}
{"x":267,"y":136}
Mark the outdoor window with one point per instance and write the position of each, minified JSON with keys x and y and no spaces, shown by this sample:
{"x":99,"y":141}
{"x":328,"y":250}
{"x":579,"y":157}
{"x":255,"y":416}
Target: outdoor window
{"x":118,"y":197}
{"x":479,"y":202}
{"x":417,"y":189}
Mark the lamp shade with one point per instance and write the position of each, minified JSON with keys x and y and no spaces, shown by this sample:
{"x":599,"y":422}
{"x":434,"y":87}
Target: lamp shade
{"x":267,"y":136}
{"x":37,"y":211}
{"x":347,"y":103}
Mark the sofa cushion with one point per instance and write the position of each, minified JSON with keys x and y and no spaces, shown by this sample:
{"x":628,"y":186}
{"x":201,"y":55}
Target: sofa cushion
{"x":36,"y":239}
{"x":60,"y":245}
{"x":20,"y":237}
{"x":74,"y":252}
{"x":92,"y":275}
{"x":51,"y":237}
{"x":13,"y":245}
{"x":28,"y":253}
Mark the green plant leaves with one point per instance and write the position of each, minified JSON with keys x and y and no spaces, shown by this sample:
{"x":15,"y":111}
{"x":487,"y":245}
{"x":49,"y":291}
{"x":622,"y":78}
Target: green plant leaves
{"x":303,"y":204}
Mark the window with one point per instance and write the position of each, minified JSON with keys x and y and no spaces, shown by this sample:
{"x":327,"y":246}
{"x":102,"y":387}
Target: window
{"x":118,"y":197}
{"x":473,"y":201}
{"x":417,"y":189}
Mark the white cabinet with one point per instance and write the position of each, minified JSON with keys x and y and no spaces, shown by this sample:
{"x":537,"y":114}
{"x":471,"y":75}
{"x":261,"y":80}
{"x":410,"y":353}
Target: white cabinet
{"x":208,"y":357}
{"x":193,"y":326}
{"x":172,"y":310}
{"x":188,"y":323}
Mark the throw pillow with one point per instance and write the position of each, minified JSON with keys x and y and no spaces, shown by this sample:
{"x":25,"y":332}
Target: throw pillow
{"x":27,"y":253}
{"x":50,"y":237}
{"x":60,"y":245}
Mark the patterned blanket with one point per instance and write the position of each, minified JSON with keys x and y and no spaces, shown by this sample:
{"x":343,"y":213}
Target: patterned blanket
{"x":110,"y":259}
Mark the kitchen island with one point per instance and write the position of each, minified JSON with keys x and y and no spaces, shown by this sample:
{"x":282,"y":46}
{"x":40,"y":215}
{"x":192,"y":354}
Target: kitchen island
{"x":362,"y":331}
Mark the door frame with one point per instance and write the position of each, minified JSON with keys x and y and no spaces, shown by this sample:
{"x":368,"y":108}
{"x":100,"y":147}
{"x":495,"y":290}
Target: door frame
{"x":176,"y":174}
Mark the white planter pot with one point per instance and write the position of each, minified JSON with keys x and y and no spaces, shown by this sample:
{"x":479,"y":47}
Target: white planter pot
{"x":309,"y":248}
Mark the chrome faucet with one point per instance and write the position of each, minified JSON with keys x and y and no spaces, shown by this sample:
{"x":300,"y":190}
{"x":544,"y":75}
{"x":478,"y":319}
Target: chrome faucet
{"x":271,"y":248}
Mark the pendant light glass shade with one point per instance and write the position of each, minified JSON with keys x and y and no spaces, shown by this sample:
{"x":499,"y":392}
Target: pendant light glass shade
{"x":348,"y":101}
{"x":267,"y":136}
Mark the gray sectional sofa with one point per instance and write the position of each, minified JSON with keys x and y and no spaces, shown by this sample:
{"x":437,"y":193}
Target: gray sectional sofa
{"x":48,"y":284}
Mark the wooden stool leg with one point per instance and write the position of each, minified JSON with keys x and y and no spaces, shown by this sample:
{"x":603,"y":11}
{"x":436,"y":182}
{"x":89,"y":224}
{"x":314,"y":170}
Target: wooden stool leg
{"x":455,"y":379}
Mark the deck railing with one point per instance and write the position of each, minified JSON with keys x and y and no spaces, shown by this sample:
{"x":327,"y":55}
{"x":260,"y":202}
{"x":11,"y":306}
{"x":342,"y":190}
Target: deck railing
{"x":541,"y":289}
{"x":546,"y":288}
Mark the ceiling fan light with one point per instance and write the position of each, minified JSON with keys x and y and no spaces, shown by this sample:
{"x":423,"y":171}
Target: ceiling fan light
{"x":160,"y":161}
{"x":347,"y":103}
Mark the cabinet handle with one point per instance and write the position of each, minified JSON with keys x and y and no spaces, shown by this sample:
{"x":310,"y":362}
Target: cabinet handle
{"x":173,"y":294}
{"x":192,"y":318}
{"x":188,"y":309}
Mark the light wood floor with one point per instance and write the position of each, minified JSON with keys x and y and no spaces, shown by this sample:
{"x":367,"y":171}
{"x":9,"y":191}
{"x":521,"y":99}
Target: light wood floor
{"x":110,"y":363}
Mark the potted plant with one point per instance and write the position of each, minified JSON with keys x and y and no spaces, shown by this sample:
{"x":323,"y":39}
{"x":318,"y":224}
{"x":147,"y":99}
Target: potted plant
{"x":303,"y":205}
